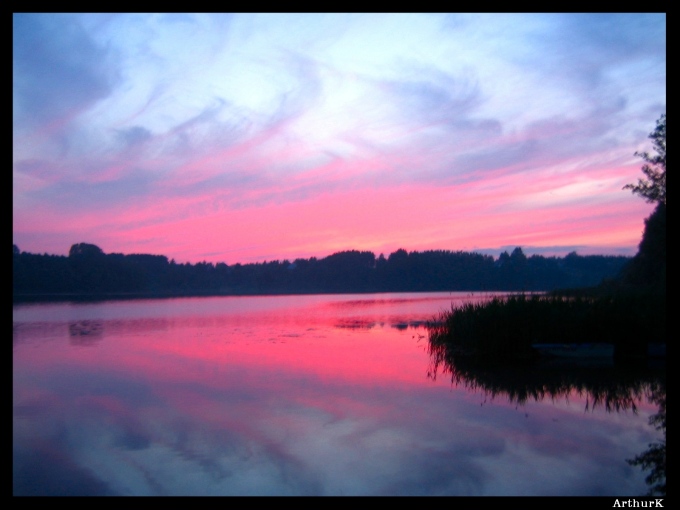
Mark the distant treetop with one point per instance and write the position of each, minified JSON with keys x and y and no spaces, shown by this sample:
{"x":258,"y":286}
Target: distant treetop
{"x":84,"y":249}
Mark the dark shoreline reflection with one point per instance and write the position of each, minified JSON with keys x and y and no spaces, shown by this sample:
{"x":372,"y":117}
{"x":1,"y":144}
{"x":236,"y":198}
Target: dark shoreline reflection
{"x":654,"y":457}
{"x":614,"y":387}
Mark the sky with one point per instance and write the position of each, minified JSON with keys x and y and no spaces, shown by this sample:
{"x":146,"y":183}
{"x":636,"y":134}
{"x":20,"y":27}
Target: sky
{"x":243,"y":138}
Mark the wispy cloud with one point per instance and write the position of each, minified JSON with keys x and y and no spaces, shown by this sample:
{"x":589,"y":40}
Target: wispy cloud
{"x":126,"y":120}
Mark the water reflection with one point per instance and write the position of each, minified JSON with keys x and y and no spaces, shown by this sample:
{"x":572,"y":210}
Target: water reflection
{"x":86,"y":332}
{"x":654,"y":458}
{"x":614,"y":388}
{"x":285,"y":396}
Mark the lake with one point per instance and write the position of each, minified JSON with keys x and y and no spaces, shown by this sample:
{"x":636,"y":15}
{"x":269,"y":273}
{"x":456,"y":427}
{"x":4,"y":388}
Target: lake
{"x":301,"y":395}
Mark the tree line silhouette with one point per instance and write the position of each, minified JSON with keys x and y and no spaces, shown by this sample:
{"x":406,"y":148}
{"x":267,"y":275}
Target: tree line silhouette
{"x":87,"y":270}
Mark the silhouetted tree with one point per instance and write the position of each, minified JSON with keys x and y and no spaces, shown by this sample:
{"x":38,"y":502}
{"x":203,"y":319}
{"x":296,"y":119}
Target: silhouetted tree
{"x":653,"y":188}
{"x":89,"y":271}
{"x":84,"y":249}
{"x":648,"y":268}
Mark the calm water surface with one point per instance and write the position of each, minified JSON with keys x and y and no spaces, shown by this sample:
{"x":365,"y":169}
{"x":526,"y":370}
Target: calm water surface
{"x":290,"y":395}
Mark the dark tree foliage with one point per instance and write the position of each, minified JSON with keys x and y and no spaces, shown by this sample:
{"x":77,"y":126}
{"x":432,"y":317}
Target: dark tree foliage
{"x":653,"y":187}
{"x":88,"y":271}
{"x":85,"y":250}
{"x":648,"y":268}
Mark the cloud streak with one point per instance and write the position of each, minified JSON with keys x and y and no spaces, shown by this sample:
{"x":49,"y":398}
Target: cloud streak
{"x":197,"y":134}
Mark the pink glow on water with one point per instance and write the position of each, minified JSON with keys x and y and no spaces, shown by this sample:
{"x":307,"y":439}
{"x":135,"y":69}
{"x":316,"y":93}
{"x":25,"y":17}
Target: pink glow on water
{"x":318,"y":384}
{"x":307,"y":343}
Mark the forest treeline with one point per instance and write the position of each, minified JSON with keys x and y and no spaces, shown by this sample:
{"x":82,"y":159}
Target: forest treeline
{"x":87,"y":270}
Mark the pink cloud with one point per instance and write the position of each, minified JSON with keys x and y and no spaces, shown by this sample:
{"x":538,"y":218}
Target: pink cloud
{"x":415,"y":216}
{"x":233,"y":205}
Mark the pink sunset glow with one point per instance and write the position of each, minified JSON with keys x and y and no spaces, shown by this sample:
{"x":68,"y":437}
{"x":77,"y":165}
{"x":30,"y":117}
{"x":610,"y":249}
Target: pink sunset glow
{"x":230,"y":138}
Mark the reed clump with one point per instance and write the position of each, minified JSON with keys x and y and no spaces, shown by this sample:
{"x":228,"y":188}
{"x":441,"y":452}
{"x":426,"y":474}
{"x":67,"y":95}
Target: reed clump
{"x":505,"y":328}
